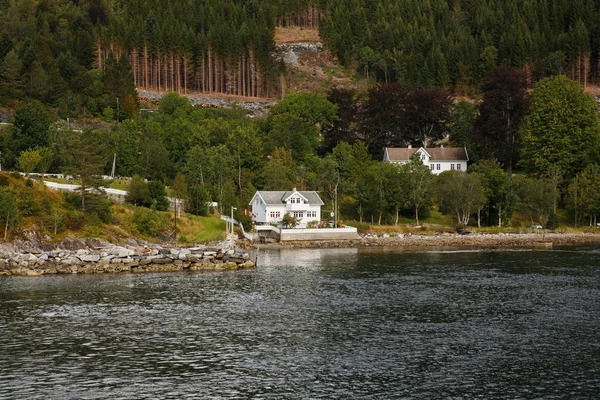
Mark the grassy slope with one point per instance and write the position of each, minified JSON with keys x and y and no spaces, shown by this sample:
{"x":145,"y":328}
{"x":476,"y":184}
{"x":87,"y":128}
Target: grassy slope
{"x":44,"y":202}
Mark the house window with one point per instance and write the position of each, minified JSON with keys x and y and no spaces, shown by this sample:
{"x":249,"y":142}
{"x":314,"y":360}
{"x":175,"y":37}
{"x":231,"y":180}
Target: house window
{"x":275,"y":214}
{"x":458,"y":167}
{"x":451,"y":166}
{"x":311,"y":214}
{"x":432,"y":167}
{"x":298,"y":214}
{"x":422,"y":157}
{"x":438,"y":167}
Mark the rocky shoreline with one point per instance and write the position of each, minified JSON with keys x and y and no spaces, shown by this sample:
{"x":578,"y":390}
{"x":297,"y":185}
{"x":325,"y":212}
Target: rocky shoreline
{"x":90,"y":258}
{"x":416,"y":242}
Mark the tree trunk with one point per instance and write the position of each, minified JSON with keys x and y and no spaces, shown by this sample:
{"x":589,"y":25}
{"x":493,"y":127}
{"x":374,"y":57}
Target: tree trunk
{"x":417,"y":213}
{"x":499,"y":216}
{"x":6,"y":226}
{"x":146,"y":82}
{"x":210,"y":71}
{"x":185,"y":75}
{"x":100,"y":65}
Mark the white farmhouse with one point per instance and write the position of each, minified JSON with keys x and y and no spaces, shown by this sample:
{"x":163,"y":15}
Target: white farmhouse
{"x":439,"y":159}
{"x":270,"y":206}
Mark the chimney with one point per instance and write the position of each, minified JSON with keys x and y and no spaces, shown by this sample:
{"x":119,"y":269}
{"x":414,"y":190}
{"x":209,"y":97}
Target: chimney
{"x":442,"y":146}
{"x":294,"y":190}
{"x":410,"y":146}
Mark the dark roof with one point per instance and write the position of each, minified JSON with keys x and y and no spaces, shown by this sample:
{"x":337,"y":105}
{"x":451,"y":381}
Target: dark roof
{"x":277,"y":197}
{"x":436,"y":153}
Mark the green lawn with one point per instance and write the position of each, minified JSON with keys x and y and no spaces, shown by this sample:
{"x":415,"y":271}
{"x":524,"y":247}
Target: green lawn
{"x":193,"y":229}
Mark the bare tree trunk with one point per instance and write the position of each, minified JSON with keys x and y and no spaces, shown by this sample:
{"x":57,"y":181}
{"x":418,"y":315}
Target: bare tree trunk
{"x":146,"y":66}
{"x":6,"y":226}
{"x":99,"y":51}
{"x":499,"y":216}
{"x":417,"y":213}
{"x":210,"y":71}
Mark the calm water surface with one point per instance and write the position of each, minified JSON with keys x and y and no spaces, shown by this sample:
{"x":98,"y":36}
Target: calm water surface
{"x":309,"y":324}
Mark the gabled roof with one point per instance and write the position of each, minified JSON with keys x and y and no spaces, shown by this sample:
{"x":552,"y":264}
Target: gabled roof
{"x":435,"y":153}
{"x":290,"y":194}
{"x":279,"y":197}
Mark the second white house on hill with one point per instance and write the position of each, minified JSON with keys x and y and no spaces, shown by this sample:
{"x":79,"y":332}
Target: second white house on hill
{"x":270,"y":206}
{"x":438,"y":159}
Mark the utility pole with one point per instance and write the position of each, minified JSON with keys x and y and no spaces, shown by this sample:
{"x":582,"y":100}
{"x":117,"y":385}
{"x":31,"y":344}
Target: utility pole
{"x":175,"y":218}
{"x":336,"y":219}
{"x":232,"y":208}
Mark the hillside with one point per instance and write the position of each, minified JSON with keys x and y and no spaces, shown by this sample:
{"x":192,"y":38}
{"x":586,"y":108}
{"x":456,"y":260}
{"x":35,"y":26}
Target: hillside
{"x":31,"y":211}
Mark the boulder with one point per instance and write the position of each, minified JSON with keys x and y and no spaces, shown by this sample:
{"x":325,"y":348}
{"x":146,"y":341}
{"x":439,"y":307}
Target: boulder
{"x":90,"y":257}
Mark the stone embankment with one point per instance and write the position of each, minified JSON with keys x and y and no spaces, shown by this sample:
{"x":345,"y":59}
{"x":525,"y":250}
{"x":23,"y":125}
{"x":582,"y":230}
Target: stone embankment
{"x":445,"y":240}
{"x":122,"y":259}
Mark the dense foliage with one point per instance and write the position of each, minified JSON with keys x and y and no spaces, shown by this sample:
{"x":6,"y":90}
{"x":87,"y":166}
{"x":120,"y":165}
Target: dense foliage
{"x":456,"y":43}
{"x":75,"y":55}
{"x":61,"y":59}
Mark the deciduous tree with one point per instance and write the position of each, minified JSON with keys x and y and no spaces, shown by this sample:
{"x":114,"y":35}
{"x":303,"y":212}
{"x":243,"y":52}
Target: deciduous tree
{"x":563,"y":128}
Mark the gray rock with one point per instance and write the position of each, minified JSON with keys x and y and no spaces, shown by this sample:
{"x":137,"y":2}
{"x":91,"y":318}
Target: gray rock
{"x":90,"y":257}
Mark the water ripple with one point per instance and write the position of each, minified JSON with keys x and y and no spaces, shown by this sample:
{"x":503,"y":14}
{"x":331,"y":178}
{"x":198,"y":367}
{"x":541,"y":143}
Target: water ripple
{"x":313,"y":325}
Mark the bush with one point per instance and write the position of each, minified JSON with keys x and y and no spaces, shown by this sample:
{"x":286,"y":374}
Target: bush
{"x":4,"y":181}
{"x":245,"y":220}
{"x":26,"y":203}
{"x":552,"y":223}
{"x":74,"y":220}
{"x":361,"y":227}
{"x":100,"y":206}
{"x":148,"y":222}
{"x":73,"y":199}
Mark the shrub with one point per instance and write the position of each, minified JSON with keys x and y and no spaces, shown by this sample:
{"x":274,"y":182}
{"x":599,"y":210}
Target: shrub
{"x":74,"y":220}
{"x":361,"y":227}
{"x":147,"y":222}
{"x":100,"y":206}
{"x":4,"y":181}
{"x":552,"y":221}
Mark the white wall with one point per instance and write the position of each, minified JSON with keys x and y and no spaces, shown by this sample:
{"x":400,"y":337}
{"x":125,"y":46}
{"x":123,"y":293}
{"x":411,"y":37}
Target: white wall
{"x":348,"y":233}
{"x":447,"y":166}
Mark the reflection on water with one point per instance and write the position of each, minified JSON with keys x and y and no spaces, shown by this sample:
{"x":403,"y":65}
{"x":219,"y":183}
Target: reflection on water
{"x":341,"y":323}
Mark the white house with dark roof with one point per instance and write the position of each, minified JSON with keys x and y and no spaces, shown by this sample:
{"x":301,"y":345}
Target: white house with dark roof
{"x":438,"y":159}
{"x":270,"y":206}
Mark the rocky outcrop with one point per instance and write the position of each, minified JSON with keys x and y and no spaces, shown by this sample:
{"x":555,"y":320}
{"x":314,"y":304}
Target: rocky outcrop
{"x":112,"y":259}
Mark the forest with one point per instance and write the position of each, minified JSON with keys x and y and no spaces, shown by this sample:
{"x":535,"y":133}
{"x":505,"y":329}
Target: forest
{"x":531,"y":131}
{"x":58,"y":51}
{"x":541,"y":166}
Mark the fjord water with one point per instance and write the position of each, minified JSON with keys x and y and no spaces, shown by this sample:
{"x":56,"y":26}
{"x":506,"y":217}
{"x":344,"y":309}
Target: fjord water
{"x":307,"y":324}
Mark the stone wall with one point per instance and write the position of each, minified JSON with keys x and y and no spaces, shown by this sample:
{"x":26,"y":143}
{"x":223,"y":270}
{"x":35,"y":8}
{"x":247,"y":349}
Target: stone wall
{"x":123,"y":259}
{"x":291,"y":235}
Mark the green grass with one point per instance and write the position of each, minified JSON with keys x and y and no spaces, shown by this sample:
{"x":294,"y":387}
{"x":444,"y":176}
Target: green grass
{"x":193,"y":229}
